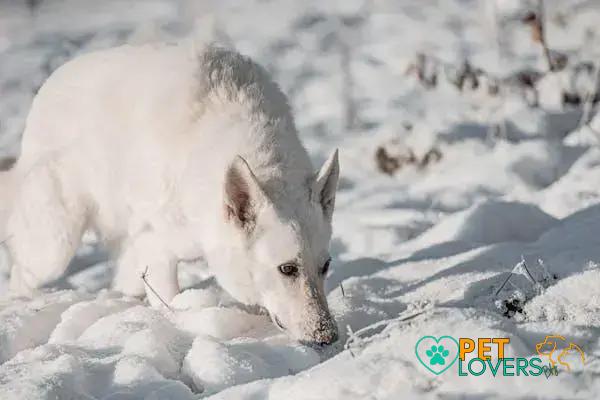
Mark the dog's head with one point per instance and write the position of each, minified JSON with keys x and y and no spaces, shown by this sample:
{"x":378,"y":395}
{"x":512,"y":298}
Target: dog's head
{"x":277,"y":252}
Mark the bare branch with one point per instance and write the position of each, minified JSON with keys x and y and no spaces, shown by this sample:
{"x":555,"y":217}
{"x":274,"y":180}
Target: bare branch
{"x":144,"y":275}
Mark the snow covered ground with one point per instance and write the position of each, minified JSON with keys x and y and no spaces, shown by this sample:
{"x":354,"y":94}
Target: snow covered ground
{"x":423,"y":251}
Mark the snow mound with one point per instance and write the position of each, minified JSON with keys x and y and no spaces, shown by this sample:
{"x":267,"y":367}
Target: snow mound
{"x":575,"y":299}
{"x":77,"y":345}
{"x":491,"y":222}
{"x":213,"y":366}
{"x":69,"y":344}
{"x":572,"y":191}
{"x":388,"y":358}
{"x":26,"y":324}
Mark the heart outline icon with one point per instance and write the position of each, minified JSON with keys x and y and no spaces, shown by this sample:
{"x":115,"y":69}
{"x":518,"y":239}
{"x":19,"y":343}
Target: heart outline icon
{"x":437,"y":341}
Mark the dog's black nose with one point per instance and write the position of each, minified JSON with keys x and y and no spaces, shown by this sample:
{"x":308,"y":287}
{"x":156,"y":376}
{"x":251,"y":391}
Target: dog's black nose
{"x":327,"y":342}
{"x":326,"y":334}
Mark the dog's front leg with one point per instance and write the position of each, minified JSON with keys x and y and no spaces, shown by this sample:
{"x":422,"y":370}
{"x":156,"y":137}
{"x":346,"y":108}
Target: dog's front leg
{"x":161,"y":283}
{"x":146,"y":264}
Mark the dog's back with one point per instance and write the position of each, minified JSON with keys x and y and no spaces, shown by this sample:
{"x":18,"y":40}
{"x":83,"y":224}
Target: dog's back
{"x":132,"y":115}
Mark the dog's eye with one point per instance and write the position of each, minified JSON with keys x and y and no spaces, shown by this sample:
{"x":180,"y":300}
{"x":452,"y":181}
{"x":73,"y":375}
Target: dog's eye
{"x":288,"y":269}
{"x":325,"y":267}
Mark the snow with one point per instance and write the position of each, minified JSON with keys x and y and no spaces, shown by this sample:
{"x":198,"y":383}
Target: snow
{"x":490,"y":222}
{"x":424,"y":251}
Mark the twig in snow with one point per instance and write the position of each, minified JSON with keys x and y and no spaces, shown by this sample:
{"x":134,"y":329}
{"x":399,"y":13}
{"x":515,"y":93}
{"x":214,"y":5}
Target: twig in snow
{"x":504,"y":283}
{"x":522,"y":266}
{"x":541,"y":32}
{"x":588,"y":102}
{"x":499,"y":129}
{"x":350,"y":333}
{"x":349,"y":330}
{"x":144,"y":275}
{"x":510,"y":274}
{"x":535,"y":20}
{"x":342,"y":288}
{"x":355,"y":336}
{"x":530,"y":277}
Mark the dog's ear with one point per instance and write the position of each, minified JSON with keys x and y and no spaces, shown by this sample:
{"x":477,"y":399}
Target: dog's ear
{"x":243,"y":195}
{"x":325,"y":184}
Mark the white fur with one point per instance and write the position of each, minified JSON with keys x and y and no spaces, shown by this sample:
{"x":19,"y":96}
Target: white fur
{"x":145,"y":145}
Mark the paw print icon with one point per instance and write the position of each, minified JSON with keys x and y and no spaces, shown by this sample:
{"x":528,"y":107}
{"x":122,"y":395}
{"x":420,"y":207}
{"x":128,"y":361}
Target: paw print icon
{"x":437,"y":355}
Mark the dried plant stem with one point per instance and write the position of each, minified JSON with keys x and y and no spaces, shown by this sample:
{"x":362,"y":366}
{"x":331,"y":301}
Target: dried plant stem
{"x":542,"y":34}
{"x":356,"y":336}
{"x":505,"y":281}
{"x":588,"y":104}
{"x":529,"y":276}
{"x":144,"y":275}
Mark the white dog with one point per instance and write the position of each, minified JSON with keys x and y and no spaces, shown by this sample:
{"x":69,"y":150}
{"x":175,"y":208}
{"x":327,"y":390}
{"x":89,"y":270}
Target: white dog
{"x":172,"y":153}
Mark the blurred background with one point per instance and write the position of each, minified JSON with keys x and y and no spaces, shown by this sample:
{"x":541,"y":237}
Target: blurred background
{"x":351,"y":68}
